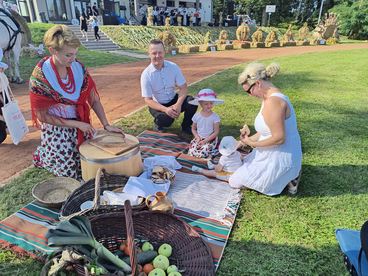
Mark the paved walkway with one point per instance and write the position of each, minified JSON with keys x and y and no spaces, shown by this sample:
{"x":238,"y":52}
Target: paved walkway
{"x":118,"y":85}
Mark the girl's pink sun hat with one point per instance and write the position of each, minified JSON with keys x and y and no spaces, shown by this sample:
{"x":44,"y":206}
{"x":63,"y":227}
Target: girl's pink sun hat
{"x":207,"y":95}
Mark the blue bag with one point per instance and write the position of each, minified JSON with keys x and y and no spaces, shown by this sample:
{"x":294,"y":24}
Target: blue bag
{"x":354,"y":245}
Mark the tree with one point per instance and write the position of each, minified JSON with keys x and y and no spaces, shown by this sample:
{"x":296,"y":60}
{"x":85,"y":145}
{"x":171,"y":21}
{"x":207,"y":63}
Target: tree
{"x":256,"y":9}
{"x":353,"y":18}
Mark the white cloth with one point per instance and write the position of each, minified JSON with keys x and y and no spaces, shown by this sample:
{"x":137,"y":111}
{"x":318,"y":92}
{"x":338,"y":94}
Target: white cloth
{"x":141,"y":186}
{"x":202,"y":196}
{"x":205,"y":125}
{"x":231,"y":162}
{"x":113,"y":198}
{"x":160,"y":84}
{"x":165,"y":161}
{"x":62,"y":110}
{"x":269,"y":169}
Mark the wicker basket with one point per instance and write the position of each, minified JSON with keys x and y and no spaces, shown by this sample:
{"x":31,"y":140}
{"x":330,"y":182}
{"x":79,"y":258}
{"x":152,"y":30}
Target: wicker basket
{"x":190,"y":252}
{"x":91,"y":190}
{"x":54,"y":191}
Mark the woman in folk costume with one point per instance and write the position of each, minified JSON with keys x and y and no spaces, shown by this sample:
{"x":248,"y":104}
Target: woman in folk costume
{"x":62,"y":93}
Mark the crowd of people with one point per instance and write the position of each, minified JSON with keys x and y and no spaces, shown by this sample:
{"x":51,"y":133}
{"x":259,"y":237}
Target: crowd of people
{"x":62,"y":93}
{"x":178,"y":16}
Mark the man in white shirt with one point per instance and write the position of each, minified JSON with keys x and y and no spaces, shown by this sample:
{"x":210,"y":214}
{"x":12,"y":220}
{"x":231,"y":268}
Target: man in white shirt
{"x":158,"y":84}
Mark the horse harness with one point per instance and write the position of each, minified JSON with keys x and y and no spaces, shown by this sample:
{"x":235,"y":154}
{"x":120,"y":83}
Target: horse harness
{"x":13,"y":37}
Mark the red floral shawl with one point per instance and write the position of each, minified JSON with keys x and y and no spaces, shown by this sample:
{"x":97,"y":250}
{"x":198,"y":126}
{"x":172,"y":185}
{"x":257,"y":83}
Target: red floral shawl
{"x":43,"y":96}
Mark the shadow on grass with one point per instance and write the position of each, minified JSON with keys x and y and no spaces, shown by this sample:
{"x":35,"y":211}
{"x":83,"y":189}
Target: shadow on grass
{"x":333,"y":180}
{"x":259,"y":258}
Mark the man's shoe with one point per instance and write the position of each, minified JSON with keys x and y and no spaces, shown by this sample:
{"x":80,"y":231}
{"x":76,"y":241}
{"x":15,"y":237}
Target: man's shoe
{"x":158,"y":128}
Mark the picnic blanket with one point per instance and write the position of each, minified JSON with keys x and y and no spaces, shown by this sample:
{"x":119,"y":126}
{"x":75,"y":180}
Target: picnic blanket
{"x":24,"y":232}
{"x":203,"y":196}
{"x":155,"y":143}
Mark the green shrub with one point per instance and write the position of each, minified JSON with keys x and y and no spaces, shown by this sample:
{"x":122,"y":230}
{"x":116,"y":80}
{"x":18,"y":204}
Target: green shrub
{"x":353,"y":19}
{"x":38,"y":31}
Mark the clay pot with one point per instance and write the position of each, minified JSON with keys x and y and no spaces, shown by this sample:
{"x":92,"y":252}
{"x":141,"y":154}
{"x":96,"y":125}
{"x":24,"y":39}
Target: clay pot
{"x":159,"y":202}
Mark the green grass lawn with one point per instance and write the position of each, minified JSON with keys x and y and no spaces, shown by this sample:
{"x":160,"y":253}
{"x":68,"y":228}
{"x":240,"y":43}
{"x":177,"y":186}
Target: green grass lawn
{"x":280,"y":235}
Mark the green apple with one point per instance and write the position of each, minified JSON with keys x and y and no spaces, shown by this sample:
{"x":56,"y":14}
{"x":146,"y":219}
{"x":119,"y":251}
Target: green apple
{"x":165,"y":249}
{"x":161,"y":262}
{"x":175,"y":273}
{"x":172,"y":268}
{"x":157,"y":272}
{"x":147,"y":247}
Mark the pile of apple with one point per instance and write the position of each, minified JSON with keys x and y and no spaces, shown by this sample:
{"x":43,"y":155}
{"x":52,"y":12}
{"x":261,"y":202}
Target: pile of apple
{"x":152,"y":262}
{"x":161,"y":264}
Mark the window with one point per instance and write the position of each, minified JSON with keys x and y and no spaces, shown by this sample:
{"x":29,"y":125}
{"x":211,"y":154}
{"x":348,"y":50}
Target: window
{"x":23,"y":8}
{"x":170,"y":3}
{"x":56,"y":10}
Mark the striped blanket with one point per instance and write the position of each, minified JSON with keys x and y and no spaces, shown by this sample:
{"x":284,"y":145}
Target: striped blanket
{"x":24,"y":232}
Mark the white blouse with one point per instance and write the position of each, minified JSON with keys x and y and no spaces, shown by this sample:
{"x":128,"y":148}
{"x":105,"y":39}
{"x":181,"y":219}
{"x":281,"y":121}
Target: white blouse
{"x":62,"y":110}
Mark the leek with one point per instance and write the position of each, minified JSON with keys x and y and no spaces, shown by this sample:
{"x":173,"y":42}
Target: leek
{"x":78,"y":231}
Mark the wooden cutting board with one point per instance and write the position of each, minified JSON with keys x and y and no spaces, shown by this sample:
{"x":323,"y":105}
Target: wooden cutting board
{"x":114,"y":143}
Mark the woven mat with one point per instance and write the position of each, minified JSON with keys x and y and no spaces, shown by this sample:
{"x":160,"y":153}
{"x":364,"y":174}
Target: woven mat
{"x":24,"y":232}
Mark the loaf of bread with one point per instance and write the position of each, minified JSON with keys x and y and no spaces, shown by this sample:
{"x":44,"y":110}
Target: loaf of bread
{"x":245,"y":131}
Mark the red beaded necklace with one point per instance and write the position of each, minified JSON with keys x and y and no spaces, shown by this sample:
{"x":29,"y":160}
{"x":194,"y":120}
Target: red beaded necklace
{"x":68,"y":87}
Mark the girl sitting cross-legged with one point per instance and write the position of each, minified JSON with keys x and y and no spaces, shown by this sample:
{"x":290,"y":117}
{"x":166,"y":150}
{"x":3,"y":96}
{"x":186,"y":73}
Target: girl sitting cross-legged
{"x":206,"y":125}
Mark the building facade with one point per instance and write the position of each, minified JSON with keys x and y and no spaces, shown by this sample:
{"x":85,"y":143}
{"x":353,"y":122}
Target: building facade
{"x":64,"y":11}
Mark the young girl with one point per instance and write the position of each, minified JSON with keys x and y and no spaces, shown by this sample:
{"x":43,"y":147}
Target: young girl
{"x":206,"y":125}
{"x":95,"y":24}
{"x":229,"y":162}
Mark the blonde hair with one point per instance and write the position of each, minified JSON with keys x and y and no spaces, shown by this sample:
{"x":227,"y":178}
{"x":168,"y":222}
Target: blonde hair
{"x":60,"y":35}
{"x":257,"y":71}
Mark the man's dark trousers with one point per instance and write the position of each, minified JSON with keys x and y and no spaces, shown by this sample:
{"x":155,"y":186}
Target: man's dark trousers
{"x":162,"y":120}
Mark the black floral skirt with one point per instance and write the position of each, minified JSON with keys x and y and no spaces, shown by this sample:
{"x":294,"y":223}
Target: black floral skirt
{"x":58,"y":152}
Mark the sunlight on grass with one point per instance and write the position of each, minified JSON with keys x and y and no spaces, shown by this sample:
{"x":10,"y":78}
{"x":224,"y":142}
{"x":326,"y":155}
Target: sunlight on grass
{"x":283,"y":235}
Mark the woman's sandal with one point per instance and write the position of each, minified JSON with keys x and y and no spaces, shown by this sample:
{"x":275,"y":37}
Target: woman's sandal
{"x":294,"y":184}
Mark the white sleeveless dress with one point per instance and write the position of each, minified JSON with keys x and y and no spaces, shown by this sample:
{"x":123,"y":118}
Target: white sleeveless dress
{"x":269,"y":169}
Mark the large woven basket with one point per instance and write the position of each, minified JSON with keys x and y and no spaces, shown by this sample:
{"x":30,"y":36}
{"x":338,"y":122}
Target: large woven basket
{"x":54,"y":191}
{"x":90,"y":191}
{"x":190,"y":252}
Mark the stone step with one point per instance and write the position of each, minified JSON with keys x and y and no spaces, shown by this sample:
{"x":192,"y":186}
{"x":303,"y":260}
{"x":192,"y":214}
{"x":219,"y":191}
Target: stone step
{"x":92,"y":39}
{"x":104,"y":44}
{"x":91,"y":42}
{"x":106,"y":48}
{"x":102,"y":35}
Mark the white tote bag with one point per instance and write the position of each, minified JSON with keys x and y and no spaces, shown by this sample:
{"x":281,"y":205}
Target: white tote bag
{"x":13,"y":117}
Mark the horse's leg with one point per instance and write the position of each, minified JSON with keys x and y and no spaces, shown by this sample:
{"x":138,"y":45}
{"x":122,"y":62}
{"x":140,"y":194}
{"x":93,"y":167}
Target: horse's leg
{"x":16,"y":54}
{"x":10,"y":66}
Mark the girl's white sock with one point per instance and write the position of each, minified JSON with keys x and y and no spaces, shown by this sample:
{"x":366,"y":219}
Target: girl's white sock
{"x":196,"y":169}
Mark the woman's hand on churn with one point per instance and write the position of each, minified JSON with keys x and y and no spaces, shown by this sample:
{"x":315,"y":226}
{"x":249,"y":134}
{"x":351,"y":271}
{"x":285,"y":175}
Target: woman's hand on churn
{"x":114,"y":129}
{"x":87,"y":129}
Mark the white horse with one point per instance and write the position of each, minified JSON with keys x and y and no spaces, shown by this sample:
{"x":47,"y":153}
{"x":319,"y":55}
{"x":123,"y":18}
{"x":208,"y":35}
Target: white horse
{"x":11,"y":30}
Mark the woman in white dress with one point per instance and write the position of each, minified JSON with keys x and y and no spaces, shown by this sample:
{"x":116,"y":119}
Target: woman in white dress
{"x":276,"y":159}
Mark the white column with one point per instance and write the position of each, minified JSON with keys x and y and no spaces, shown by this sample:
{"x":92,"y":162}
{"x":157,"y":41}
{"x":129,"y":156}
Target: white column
{"x":72,"y":8}
{"x":30,"y":11}
{"x":36,"y":10}
{"x":136,"y":8}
